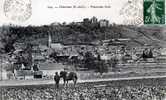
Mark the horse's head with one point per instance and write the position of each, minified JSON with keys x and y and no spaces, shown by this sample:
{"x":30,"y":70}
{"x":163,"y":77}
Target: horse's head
{"x":63,"y":74}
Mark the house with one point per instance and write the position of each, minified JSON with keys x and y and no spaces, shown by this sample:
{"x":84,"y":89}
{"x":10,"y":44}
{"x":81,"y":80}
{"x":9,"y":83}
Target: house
{"x":163,"y":51}
{"x":103,"y":23}
{"x":86,"y":21}
{"x":56,"y":46}
{"x":24,"y":74}
{"x":38,"y":58}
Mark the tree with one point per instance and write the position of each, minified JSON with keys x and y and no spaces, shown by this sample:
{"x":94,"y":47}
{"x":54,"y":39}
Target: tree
{"x":89,"y":60}
{"x":8,"y":39}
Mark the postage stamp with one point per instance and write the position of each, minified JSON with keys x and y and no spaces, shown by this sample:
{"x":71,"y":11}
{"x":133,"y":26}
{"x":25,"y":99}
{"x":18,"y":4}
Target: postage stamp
{"x":17,"y":10}
{"x":132,"y":11}
{"x":154,"y":11}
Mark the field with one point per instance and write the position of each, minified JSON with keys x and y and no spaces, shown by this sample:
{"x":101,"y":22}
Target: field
{"x":137,"y":89}
{"x":141,"y":81}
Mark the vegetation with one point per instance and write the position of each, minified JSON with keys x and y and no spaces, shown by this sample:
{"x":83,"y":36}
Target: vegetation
{"x":79,"y":33}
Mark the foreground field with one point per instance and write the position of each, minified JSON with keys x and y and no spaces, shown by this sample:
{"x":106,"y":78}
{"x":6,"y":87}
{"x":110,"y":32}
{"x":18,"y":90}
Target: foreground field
{"x":136,"y":89}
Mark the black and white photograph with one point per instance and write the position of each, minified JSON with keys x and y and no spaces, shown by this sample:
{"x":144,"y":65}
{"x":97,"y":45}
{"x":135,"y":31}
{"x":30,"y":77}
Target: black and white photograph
{"x":82,"y":50}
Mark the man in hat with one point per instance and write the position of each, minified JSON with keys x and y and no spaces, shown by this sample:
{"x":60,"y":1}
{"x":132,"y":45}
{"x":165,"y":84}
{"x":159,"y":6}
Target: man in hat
{"x":56,"y":79}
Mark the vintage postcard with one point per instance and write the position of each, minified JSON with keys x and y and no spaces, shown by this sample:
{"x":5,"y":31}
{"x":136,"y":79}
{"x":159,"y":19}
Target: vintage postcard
{"x":82,"y":50}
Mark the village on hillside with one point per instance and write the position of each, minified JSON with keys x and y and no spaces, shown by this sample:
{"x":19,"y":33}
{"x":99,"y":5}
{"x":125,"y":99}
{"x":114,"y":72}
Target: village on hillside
{"x":28,"y":60}
{"x":101,"y":61}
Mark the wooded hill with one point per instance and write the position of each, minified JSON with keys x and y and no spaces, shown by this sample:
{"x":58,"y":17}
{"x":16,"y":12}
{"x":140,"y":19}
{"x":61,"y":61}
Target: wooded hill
{"x":81,"y":33}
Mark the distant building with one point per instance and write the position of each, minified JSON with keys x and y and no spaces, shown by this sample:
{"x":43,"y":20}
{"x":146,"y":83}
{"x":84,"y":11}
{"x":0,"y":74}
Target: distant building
{"x":86,"y":21}
{"x":43,"y":48}
{"x":116,"y":42}
{"x":103,"y":23}
{"x":55,"y":23}
{"x":18,"y":45}
{"x":78,"y":23}
{"x":94,"y":20}
{"x":124,"y":39}
{"x":38,"y":58}
{"x":163,"y":51}
{"x":56,"y":46}
{"x":24,"y":74}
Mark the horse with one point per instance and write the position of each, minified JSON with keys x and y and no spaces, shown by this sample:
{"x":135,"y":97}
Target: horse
{"x":68,"y":76}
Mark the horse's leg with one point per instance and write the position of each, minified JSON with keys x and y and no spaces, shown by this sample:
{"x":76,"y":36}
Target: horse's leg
{"x":74,"y":81}
{"x":67,"y":83}
{"x":64,"y":82}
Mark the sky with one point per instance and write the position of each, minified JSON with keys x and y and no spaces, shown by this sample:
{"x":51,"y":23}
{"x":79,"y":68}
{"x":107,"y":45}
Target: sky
{"x":42,"y":15}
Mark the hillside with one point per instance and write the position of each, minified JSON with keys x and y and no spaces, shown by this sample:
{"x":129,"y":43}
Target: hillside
{"x":73,"y":33}
{"x":146,"y":35}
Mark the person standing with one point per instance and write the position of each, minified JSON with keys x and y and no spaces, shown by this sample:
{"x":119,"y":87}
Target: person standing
{"x":56,"y":79}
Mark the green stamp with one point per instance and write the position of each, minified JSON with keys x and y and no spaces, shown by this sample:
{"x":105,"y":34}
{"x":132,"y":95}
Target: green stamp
{"x":154,"y":11}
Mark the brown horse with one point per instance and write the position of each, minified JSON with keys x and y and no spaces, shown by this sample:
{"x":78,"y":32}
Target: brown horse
{"x":71,"y":76}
